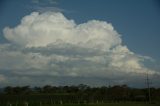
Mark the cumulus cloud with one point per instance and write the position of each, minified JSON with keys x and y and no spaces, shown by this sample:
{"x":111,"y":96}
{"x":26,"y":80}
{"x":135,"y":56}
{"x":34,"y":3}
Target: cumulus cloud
{"x":39,"y":30}
{"x":49,"y":44}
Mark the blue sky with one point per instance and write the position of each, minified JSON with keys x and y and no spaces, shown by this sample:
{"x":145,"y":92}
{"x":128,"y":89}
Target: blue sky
{"x":137,"y":21}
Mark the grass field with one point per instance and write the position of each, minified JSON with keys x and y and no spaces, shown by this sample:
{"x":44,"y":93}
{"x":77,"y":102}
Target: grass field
{"x":108,"y":104}
{"x":104,"y":104}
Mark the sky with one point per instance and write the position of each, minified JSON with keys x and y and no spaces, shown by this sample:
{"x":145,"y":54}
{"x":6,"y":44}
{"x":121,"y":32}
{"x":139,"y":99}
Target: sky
{"x":66,"y":42}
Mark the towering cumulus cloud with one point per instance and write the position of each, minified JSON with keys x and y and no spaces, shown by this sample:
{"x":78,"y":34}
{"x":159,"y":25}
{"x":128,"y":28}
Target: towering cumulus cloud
{"x":50,"y":45}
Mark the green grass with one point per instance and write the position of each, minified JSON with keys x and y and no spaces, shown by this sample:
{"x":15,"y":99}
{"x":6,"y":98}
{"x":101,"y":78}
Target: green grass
{"x":107,"y":104}
{"x":91,"y":104}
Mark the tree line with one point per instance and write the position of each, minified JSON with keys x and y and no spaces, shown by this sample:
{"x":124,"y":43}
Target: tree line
{"x":78,"y":94}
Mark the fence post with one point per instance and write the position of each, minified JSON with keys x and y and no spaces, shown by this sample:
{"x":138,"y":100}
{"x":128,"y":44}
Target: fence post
{"x":9,"y":104}
{"x":40,"y":104}
{"x":97,"y":101}
{"x":61,"y":102}
{"x":25,"y":103}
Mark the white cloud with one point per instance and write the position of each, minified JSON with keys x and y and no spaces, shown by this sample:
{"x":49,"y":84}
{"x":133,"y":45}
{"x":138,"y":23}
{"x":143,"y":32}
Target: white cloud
{"x":38,"y":30}
{"x":49,"y":44}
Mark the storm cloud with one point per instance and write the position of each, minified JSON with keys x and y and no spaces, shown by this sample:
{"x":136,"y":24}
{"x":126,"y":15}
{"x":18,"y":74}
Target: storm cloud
{"x":49,"y":45}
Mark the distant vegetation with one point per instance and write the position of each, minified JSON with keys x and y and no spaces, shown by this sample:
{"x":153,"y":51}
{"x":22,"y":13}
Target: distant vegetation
{"x":81,"y":94}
